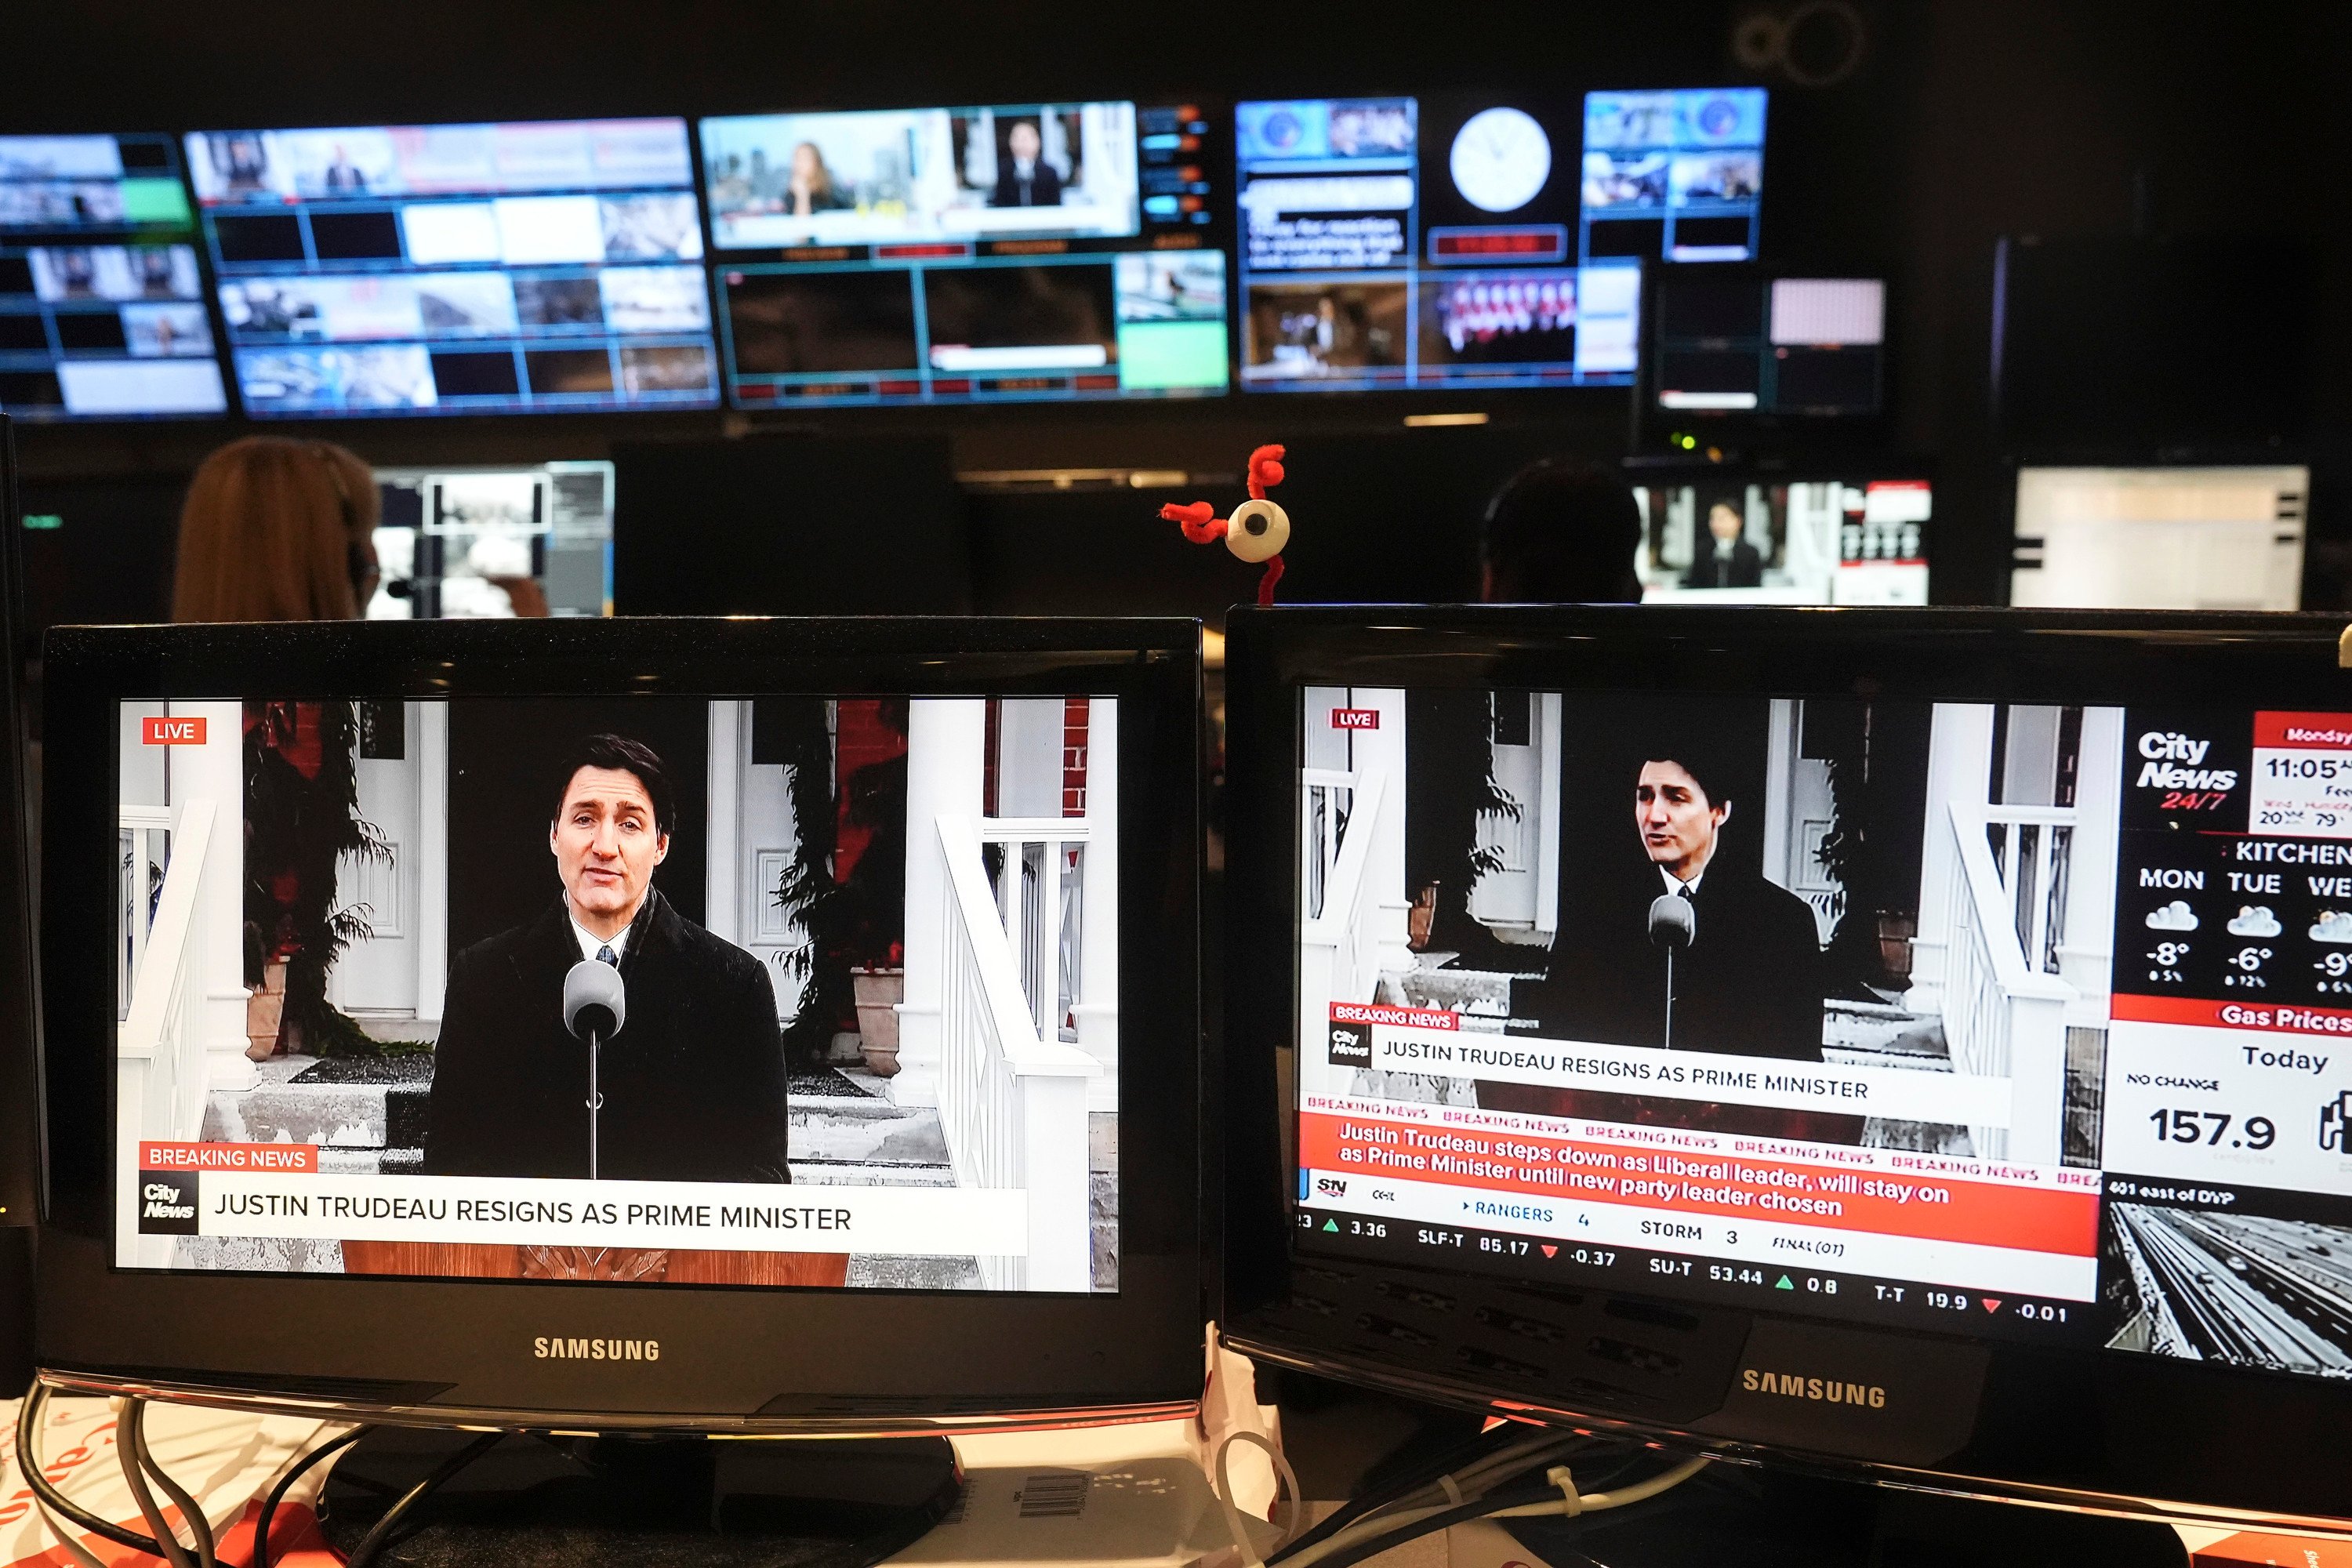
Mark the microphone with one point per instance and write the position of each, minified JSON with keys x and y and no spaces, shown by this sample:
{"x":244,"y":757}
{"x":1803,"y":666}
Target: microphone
{"x":596,"y":1002}
{"x":595,"y":1006}
{"x":1674,"y":923}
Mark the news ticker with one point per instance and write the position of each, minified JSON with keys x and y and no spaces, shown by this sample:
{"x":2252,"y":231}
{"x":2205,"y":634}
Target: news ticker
{"x":1427,"y":1040}
{"x":276,"y":1190}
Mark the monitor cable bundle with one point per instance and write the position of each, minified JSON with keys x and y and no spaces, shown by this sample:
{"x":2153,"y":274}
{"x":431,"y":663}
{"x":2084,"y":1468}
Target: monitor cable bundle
{"x":1482,"y":1482}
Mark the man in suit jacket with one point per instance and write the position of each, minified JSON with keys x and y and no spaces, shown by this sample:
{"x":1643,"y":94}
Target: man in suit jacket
{"x":1749,"y":983}
{"x":1025,"y":180}
{"x":1728,"y":560}
{"x":693,"y":1082}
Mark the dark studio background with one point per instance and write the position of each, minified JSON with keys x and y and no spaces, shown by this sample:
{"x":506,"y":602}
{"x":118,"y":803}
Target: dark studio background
{"x":1967,"y":119}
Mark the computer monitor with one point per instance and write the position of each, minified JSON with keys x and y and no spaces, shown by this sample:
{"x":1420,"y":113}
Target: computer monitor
{"x":479,"y":542}
{"x":1043,"y":251}
{"x":1747,"y":350}
{"x":2159,"y":539}
{"x":1897,"y":1038}
{"x":883,"y":1109}
{"x":1421,"y":242}
{"x":20,"y":1019}
{"x":102,"y":309}
{"x":1676,"y":174}
{"x":1749,"y":538}
{"x":527,"y":267}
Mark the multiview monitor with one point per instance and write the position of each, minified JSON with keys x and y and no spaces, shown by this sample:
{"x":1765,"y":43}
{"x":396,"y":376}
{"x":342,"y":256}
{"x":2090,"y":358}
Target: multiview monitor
{"x":1421,"y":242}
{"x":1757,"y":539}
{"x":1676,"y":174}
{"x":1740,"y":347}
{"x":1018,"y":252}
{"x":101,"y":311}
{"x":707,"y":987}
{"x":2160,"y":539}
{"x":490,"y":544}
{"x":538,"y":266}
{"x":1906,"y":1037}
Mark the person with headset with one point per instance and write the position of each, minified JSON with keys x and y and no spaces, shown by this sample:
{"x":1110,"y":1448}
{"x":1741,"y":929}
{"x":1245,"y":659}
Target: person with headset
{"x":1561,"y":531}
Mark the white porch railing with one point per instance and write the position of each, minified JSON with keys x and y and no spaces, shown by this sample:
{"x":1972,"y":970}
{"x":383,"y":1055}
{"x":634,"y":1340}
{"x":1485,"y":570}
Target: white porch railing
{"x":1038,"y":889}
{"x":2031,"y":846}
{"x":146,"y":848}
{"x":1012,"y":1097}
{"x":1339,"y":943}
{"x":2004,"y":1017}
{"x":159,"y":1078}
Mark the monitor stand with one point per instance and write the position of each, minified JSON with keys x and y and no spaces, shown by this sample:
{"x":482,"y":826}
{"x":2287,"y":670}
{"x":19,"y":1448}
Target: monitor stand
{"x":543,"y":1498}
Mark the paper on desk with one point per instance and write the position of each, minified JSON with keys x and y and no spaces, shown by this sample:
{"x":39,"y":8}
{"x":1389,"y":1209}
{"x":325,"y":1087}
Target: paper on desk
{"x":2211,"y":1548}
{"x":224,"y":1459}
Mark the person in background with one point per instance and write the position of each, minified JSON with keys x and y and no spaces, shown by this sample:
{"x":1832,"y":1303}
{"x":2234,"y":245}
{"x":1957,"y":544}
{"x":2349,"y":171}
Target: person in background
{"x":1561,"y":531}
{"x":276,"y":529}
{"x":1025,"y":179}
{"x":810,"y":188}
{"x":1727,"y":561}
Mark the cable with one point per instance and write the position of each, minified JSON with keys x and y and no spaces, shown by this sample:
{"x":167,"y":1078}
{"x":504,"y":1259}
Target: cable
{"x":69,"y":1542}
{"x":1378,"y":1535}
{"x":286,"y":1484}
{"x":1469,"y":1466}
{"x":364,"y":1554}
{"x":199,"y":1527}
{"x":1286,"y":1482}
{"x":52,"y":1501}
{"x":129,"y":1415}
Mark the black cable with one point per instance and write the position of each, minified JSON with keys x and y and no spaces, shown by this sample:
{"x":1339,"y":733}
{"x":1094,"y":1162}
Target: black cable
{"x":1493,"y":1503}
{"x":1485,"y":1446}
{"x":28,"y":1419}
{"x":199,"y":1527}
{"x":127,"y":1447}
{"x":286,"y":1484}
{"x":364,"y":1554}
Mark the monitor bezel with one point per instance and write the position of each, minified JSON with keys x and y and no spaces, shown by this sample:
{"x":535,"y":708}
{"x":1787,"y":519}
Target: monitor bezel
{"x":2096,"y":1427}
{"x":734,"y":1359}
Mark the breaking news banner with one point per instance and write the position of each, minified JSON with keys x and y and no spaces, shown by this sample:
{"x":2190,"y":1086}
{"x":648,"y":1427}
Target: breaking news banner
{"x":668,"y":990}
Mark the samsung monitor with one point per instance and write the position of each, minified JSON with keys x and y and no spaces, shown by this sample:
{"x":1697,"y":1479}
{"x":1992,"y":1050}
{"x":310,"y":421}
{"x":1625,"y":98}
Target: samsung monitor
{"x":534,"y":267}
{"x":1064,"y":251}
{"x":2159,"y":539}
{"x":482,"y":542}
{"x":101,"y":309}
{"x":1735,"y":537}
{"x":709,"y":1024}
{"x":1674,"y":174}
{"x":1745,"y":349}
{"x":1899,"y":1038}
{"x":1423,"y":242}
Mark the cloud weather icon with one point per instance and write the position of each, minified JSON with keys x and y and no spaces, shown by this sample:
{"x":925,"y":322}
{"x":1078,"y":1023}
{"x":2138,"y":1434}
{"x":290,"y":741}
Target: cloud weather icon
{"x":2334,"y":925}
{"x":2255,"y":920}
{"x":2177,"y":916}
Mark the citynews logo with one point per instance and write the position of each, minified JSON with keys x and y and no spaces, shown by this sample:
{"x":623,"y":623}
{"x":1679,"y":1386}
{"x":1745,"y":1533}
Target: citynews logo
{"x":167,"y":1203}
{"x":1822,"y":1390}
{"x":1350,"y":1046}
{"x":557,"y":1348}
{"x":2172,"y":762}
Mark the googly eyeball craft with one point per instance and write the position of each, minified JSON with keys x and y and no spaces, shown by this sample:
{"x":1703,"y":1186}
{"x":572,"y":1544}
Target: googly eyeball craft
{"x":1257,"y":532}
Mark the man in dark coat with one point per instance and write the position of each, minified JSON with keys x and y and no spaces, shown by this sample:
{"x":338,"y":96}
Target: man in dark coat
{"x":1728,"y":560}
{"x":1024,"y":179}
{"x":1749,"y":983}
{"x":693,"y":1083}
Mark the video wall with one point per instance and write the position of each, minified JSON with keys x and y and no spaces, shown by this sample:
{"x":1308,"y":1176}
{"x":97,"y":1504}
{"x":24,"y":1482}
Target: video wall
{"x":1105,"y":249}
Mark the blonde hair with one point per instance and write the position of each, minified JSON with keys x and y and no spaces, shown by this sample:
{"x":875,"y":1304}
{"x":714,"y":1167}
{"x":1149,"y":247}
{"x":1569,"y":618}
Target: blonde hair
{"x":270,"y":530}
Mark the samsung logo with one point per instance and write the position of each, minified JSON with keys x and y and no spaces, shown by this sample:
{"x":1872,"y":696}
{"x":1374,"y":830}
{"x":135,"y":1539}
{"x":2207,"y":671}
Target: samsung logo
{"x":1827,"y":1390}
{"x":560,"y":1349}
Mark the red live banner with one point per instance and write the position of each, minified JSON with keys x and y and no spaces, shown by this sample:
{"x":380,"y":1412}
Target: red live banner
{"x":1740,"y":1186}
{"x":172,"y":732}
{"x":301,"y":1158}
{"x":2274,"y":1017}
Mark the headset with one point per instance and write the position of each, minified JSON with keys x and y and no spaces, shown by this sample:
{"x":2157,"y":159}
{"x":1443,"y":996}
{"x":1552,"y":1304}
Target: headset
{"x":358,"y":560}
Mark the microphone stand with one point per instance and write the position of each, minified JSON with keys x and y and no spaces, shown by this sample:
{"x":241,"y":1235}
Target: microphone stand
{"x":1670,"y":1045}
{"x":596,"y":1099}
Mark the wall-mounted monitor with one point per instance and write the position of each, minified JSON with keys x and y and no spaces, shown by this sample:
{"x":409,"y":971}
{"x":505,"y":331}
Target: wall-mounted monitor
{"x":478,"y":543}
{"x":1404,"y":243}
{"x":1677,"y":174}
{"x":1752,"y":539}
{"x":1744,"y":346}
{"x":544,"y":267}
{"x":2159,"y":539}
{"x":101,"y":307}
{"x":1061,"y":251}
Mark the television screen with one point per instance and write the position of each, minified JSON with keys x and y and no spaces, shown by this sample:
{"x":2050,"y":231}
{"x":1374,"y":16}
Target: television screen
{"x":476,"y":544}
{"x":1677,"y":174}
{"x":1031,"y":251}
{"x":1733,"y":538}
{"x":2159,"y":539}
{"x":101,"y":307}
{"x":1402,"y":242}
{"x":1792,"y":347}
{"x":812,"y":990}
{"x":498,"y":269}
